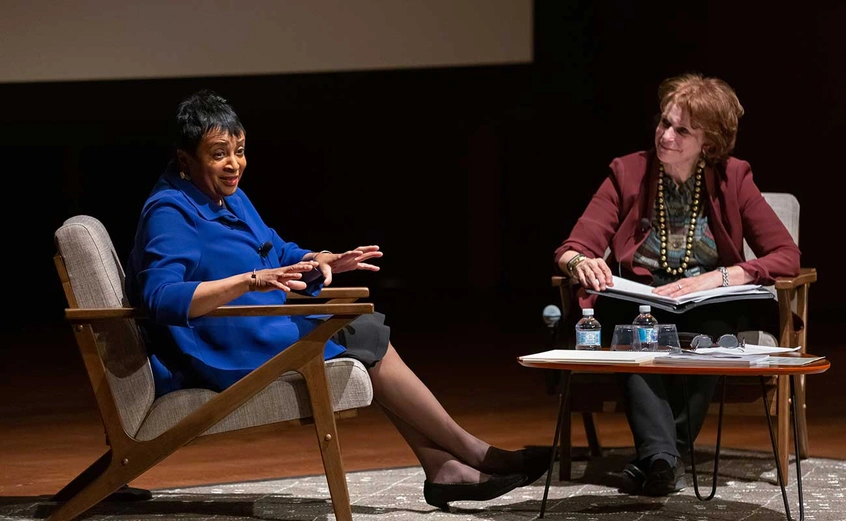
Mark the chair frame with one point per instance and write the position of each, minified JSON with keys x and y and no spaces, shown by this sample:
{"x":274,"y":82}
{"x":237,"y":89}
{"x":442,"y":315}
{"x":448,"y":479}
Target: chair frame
{"x":790,"y":291}
{"x":128,"y":458}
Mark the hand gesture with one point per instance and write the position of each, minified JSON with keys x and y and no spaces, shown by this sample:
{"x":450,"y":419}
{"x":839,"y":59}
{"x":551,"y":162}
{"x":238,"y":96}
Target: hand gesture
{"x":329,"y":263}
{"x":285,"y":278}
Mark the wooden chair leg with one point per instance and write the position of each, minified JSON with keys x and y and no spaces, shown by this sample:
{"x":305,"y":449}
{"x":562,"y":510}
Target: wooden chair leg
{"x":783,"y":421}
{"x":327,"y":437}
{"x":800,"y":419}
{"x":92,"y":486}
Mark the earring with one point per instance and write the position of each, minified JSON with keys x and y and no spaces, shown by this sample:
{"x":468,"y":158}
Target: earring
{"x":183,"y":175}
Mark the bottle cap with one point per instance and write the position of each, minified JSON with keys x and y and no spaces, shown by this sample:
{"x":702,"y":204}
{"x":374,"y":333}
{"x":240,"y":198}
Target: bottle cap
{"x":588,"y":312}
{"x":645,"y":309}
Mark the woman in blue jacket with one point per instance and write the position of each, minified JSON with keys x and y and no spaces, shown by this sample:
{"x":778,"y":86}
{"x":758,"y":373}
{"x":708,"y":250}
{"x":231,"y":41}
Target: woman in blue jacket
{"x":201,"y":244}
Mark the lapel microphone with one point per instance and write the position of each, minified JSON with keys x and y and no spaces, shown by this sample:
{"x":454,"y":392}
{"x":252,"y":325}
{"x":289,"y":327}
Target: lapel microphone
{"x":265,"y":248}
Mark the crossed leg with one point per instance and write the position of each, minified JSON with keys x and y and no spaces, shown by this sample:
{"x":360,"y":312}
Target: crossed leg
{"x":446,"y":451}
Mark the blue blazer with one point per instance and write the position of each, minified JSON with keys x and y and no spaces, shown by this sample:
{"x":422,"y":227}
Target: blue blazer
{"x":183,"y":238}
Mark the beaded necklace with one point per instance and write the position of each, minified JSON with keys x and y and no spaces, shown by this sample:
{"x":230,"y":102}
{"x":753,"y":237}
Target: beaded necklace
{"x":662,"y":224}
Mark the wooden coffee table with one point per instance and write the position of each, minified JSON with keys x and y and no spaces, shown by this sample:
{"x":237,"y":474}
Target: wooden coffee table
{"x":763,"y":371}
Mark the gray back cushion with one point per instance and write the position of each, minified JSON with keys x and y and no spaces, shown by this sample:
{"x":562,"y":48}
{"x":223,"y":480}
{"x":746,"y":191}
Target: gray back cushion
{"x":786,"y":206}
{"x":97,"y":281}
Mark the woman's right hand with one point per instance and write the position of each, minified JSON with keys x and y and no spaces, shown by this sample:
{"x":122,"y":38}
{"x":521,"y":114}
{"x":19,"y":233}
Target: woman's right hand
{"x":284,"y":278}
{"x":593,"y":274}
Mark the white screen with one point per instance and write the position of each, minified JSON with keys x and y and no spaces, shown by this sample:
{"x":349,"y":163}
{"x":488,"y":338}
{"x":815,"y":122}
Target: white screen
{"x":45,"y":40}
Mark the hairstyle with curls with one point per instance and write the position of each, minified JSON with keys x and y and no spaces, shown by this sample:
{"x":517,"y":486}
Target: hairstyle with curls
{"x":200,"y":113}
{"x":711,"y":105}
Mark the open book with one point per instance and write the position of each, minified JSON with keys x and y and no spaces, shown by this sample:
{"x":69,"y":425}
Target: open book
{"x":636,"y":292}
{"x":693,"y":358}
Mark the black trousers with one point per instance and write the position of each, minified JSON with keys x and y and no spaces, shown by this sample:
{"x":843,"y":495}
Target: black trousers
{"x":657,"y":412}
{"x":655,"y":404}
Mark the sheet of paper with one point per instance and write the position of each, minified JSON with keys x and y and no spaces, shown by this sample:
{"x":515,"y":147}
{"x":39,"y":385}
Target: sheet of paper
{"x":714,"y":360}
{"x":792,"y":360}
{"x":595,"y":357}
{"x":748,"y":349}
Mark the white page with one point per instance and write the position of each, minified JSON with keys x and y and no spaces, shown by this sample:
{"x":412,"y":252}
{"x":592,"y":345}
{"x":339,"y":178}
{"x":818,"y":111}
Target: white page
{"x":587,"y":356}
{"x":631,"y":287}
{"x":748,"y":349}
{"x":790,"y":360}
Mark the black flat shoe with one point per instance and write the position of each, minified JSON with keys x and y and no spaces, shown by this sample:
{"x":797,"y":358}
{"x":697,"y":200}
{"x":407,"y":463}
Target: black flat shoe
{"x":127,"y":493}
{"x":663,"y":478}
{"x":535,"y":463}
{"x":633,"y":478}
{"x":441,"y":494}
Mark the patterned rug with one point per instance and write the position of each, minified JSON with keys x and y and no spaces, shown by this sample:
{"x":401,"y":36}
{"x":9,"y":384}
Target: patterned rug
{"x":746,"y":490}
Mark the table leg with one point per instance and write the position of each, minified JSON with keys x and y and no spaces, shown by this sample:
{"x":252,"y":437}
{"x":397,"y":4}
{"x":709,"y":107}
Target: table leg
{"x":563,"y":396}
{"x":716,"y":450}
{"x":781,"y":481}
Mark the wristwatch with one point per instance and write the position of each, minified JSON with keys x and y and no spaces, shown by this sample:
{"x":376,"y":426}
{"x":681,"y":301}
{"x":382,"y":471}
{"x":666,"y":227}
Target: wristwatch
{"x":572,"y":263}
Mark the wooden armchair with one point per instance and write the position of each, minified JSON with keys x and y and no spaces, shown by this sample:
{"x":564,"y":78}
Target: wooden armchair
{"x":294,"y":387}
{"x":596,"y":393}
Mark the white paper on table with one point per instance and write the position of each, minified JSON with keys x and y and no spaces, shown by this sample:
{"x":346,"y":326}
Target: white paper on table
{"x":592,"y":357}
{"x":784,"y":360}
{"x":748,"y":349}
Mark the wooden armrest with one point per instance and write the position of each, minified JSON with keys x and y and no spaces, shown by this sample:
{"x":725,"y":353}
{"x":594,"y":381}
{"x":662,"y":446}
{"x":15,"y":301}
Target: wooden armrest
{"x":562,"y":280}
{"x":806,"y":276}
{"x":89,"y":314}
{"x":327,"y":293}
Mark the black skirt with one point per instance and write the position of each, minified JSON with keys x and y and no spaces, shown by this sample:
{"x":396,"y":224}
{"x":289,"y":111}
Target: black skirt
{"x":365,"y":339}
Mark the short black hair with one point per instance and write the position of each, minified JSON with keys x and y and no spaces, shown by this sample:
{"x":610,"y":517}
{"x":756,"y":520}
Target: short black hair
{"x":200,"y":113}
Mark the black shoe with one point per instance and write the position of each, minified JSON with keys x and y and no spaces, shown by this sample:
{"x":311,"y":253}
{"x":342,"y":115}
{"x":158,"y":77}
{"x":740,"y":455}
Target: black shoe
{"x":663,"y":478}
{"x":633,"y":478}
{"x":127,"y":493}
{"x":535,"y":463}
{"x":441,"y":494}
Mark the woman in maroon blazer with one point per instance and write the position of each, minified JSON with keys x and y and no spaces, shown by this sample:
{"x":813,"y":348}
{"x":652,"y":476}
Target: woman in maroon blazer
{"x":675,"y":217}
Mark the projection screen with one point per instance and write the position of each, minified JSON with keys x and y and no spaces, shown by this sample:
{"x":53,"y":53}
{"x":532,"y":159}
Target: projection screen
{"x":44,"y":40}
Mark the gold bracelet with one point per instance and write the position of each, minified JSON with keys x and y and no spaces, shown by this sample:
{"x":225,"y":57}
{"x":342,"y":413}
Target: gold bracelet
{"x":253,"y":281}
{"x":572,"y":263}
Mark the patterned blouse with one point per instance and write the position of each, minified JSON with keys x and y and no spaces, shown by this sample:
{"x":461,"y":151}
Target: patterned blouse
{"x":677,"y":203}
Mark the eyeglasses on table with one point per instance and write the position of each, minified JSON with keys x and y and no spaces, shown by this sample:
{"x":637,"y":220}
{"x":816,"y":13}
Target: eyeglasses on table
{"x":727,"y":341}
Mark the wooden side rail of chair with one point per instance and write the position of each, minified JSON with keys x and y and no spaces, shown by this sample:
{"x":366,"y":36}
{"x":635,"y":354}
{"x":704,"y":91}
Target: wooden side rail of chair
{"x":338,"y":309}
{"x":332,"y":294}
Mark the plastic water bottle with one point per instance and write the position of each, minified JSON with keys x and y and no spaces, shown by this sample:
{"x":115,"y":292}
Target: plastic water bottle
{"x":588,"y":331}
{"x":647,"y":332}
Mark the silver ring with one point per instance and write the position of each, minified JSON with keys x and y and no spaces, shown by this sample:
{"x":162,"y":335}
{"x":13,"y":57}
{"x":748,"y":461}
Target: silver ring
{"x":680,"y":286}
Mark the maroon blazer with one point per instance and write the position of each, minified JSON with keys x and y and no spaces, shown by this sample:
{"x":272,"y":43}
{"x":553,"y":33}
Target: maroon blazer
{"x":735,"y":207}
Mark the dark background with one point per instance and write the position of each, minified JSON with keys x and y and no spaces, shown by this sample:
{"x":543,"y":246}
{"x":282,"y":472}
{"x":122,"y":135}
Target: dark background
{"x":468,"y":178}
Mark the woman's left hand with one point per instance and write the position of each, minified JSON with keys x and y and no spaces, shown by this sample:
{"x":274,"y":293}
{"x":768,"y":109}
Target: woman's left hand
{"x":709,"y":280}
{"x":329,"y":263}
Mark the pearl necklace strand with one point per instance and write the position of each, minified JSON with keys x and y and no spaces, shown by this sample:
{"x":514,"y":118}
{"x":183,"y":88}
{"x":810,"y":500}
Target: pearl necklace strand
{"x":662,"y":218}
